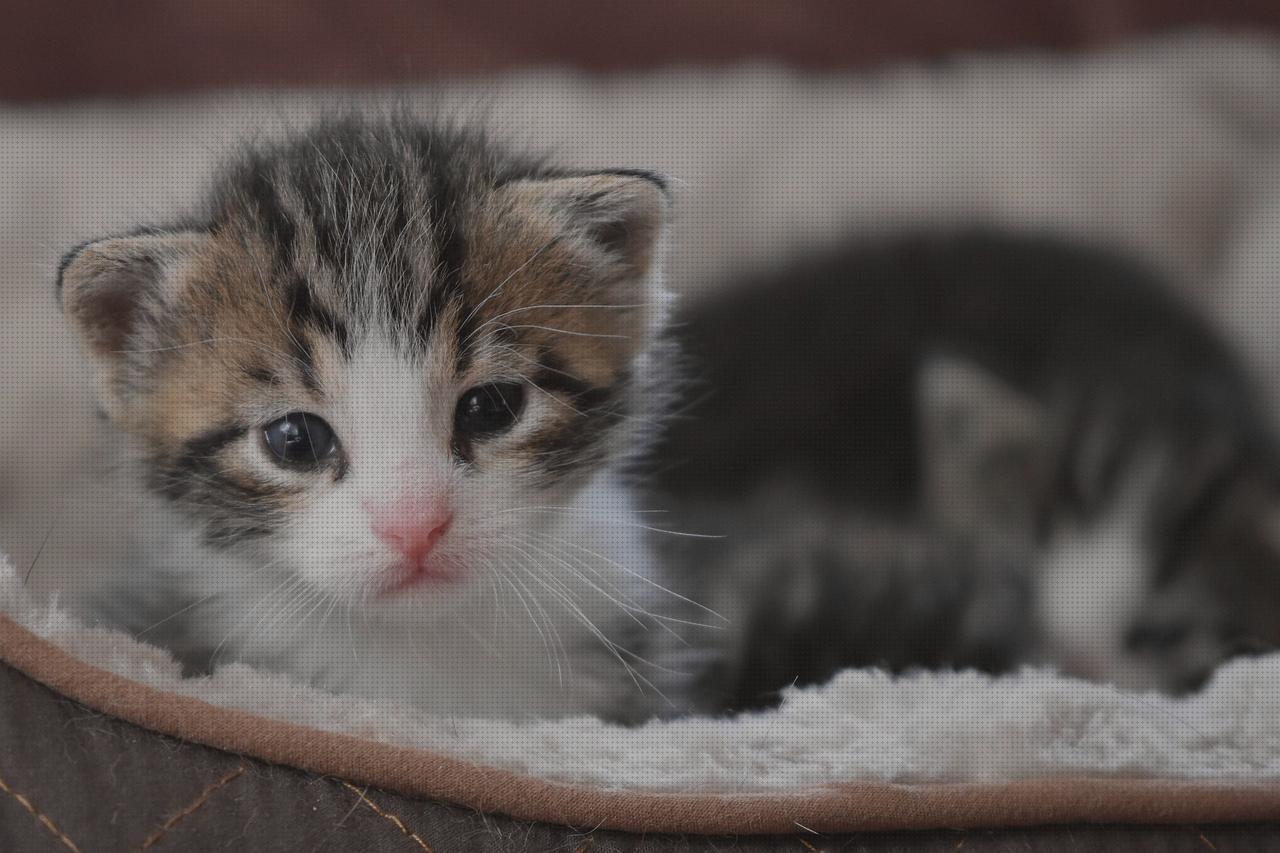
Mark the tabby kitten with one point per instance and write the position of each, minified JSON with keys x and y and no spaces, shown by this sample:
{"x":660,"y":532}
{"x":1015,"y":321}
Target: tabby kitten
{"x":372,"y":400}
{"x":974,"y":450}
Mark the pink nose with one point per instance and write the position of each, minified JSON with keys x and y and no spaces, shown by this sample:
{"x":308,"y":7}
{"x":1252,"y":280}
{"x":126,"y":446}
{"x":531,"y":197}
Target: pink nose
{"x":411,"y":531}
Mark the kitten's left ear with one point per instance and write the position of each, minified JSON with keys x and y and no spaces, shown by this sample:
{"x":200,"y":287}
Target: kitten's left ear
{"x":614,"y":219}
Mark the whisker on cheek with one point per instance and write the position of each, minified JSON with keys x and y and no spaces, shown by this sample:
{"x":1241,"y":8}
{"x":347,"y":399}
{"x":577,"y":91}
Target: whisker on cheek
{"x":286,"y":583}
{"x":629,"y":607}
{"x":618,"y":597}
{"x":618,"y":652}
{"x":643,"y":578}
{"x":525,"y":596}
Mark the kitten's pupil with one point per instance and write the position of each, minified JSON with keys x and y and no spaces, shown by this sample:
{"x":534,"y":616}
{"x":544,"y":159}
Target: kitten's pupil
{"x":300,"y":440}
{"x":489,"y":409}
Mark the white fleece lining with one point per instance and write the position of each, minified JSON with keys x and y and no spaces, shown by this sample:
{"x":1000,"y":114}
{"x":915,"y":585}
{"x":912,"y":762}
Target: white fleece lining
{"x":863,"y":726}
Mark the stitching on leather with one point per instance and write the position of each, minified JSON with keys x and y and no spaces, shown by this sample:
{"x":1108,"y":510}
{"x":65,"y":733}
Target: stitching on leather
{"x":412,"y":836}
{"x":195,"y":806}
{"x":40,"y":816}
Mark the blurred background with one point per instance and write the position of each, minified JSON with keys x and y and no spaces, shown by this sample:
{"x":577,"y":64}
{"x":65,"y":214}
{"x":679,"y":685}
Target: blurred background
{"x":77,"y":50}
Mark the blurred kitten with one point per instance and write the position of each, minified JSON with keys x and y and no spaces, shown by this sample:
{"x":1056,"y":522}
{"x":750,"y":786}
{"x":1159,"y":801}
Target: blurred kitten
{"x":971,"y":450}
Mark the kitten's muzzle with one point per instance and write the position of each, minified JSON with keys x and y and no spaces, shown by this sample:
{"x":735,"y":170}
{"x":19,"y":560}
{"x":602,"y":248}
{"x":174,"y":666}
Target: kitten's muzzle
{"x":413,"y":530}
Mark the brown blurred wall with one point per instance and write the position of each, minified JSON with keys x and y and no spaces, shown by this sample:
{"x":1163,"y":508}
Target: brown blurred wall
{"x":92,"y":48}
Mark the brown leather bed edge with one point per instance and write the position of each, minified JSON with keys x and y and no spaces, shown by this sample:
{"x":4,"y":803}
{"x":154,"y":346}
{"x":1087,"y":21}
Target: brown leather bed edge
{"x":844,"y":808}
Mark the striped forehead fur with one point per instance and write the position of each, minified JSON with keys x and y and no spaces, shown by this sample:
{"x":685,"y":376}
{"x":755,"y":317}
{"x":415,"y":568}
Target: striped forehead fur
{"x":366,"y":213}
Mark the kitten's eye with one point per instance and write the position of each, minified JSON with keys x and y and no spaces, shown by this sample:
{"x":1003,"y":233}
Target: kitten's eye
{"x":300,"y":440}
{"x":489,"y":409}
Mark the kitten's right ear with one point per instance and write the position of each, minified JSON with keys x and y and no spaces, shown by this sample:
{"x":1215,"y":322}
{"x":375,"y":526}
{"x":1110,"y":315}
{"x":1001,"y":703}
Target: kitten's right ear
{"x":113,"y":288}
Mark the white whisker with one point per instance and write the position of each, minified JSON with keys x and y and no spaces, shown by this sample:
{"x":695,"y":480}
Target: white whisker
{"x":193,"y":605}
{"x":498,"y":288}
{"x":576,"y":511}
{"x":572,"y":332}
{"x":658,"y":616}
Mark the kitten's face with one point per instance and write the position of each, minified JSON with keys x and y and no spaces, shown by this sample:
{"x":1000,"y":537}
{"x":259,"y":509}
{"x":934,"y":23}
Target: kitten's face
{"x":376,"y":366}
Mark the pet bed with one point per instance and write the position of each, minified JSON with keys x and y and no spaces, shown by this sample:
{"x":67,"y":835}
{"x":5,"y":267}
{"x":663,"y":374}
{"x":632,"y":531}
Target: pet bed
{"x":864,"y":752}
{"x":1168,"y":164}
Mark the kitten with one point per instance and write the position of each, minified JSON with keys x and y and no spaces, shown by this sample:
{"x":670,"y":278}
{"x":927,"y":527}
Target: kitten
{"x":972,"y":449}
{"x":807,"y":587}
{"x":372,"y":401}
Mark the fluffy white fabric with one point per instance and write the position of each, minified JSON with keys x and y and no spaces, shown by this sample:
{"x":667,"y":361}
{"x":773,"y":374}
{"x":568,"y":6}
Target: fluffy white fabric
{"x":1157,"y":147}
{"x":862,"y":726}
